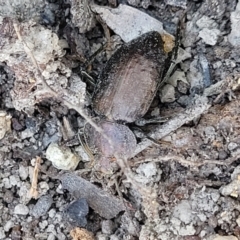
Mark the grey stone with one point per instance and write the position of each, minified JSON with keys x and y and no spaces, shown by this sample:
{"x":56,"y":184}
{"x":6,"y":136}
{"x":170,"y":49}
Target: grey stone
{"x":2,"y":234}
{"x":147,"y":169}
{"x":14,"y":180}
{"x":101,"y":236}
{"x":206,"y":22}
{"x":107,"y":226}
{"x":234,"y":36}
{"x":9,"y":224}
{"x":103,"y":203}
{"x":167,"y":93}
{"x":51,"y":236}
{"x":77,"y":212}
{"x":177,"y":3}
{"x":23,"y":172}
{"x":209,"y":36}
{"x":42,"y":206}
{"x":183,"y":212}
{"x":128,"y":22}
{"x":62,"y":157}
{"x":232,"y":146}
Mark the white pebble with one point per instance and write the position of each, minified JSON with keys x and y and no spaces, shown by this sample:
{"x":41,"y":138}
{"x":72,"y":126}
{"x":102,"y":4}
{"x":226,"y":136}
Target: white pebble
{"x":62,"y":157}
{"x":9,"y":224}
{"x":23,"y":172}
{"x":2,"y":234}
{"x":209,"y":36}
{"x":21,"y":209}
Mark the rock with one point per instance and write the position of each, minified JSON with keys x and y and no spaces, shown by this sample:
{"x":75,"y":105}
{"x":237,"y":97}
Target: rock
{"x":77,"y":212}
{"x":167,"y":93}
{"x":204,"y":69}
{"x":107,"y":226}
{"x":2,"y":234}
{"x":238,"y":221}
{"x":209,"y":36}
{"x":177,"y":76}
{"x":81,"y":234}
{"x":146,"y":172}
{"x":14,"y":180}
{"x":177,"y":3}
{"x":206,"y":22}
{"x":102,"y":202}
{"x":218,"y":237}
{"x":101,"y":236}
{"x":140,"y":3}
{"x":232,"y":146}
{"x":232,"y":189}
{"x":234,"y":36}
{"x":213,"y":8}
{"x":182,"y":55}
{"x":183,"y":212}
{"x":147,"y":169}
{"x":5,"y":123}
{"x":23,"y":172}
{"x":48,"y":16}
{"x":23,"y":10}
{"x":9,"y":224}
{"x":27,"y":133}
{"x":62,"y":157}
{"x":21,"y":209}
{"x":82,"y":153}
{"x":128,"y":22}
{"x":114,"y":237}
{"x":82,"y":16}
{"x":51,"y":236}
{"x":42,"y":206}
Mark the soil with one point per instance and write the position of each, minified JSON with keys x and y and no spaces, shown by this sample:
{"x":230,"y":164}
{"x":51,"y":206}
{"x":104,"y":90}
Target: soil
{"x":183,"y":186}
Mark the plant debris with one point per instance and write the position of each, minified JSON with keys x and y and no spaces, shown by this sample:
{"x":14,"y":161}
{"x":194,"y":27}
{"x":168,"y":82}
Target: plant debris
{"x":103,"y":203}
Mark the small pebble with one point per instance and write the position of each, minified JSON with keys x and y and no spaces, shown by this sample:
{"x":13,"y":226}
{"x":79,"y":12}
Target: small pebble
{"x":51,"y":236}
{"x":101,"y":236}
{"x":77,"y":212}
{"x":2,"y":234}
{"x":107,"y":226}
{"x":167,"y":94}
{"x":177,"y":3}
{"x":21,"y":209}
{"x":23,"y":172}
{"x":8,"y":196}
{"x":209,"y":36}
{"x":234,"y":36}
{"x":232,"y":146}
{"x":43,"y":224}
{"x":9,"y":224}
{"x":114,"y":237}
{"x":62,"y":157}
{"x":42,"y":206}
{"x":147,"y":169}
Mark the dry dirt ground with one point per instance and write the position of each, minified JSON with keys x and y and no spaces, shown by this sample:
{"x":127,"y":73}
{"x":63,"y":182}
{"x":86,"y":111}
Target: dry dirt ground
{"x":184,"y":180}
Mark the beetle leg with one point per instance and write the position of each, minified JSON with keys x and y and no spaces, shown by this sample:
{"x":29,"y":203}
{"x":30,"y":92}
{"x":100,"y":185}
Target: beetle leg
{"x":89,"y":79}
{"x":141,"y":122}
{"x":87,"y":150}
{"x":174,"y":54}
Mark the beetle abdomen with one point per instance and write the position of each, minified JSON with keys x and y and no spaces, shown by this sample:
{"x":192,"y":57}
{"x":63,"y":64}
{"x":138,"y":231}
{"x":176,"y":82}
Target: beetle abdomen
{"x":130,"y":79}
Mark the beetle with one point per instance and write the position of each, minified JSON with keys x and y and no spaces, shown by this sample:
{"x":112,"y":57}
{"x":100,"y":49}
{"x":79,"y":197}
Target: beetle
{"x":125,"y":90}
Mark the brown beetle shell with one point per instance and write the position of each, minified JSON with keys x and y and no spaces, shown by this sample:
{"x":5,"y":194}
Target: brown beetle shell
{"x":130,"y":79}
{"x":122,"y":139}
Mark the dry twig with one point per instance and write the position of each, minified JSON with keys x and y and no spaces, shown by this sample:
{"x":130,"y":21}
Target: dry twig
{"x":184,"y":162}
{"x":33,"y":191}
